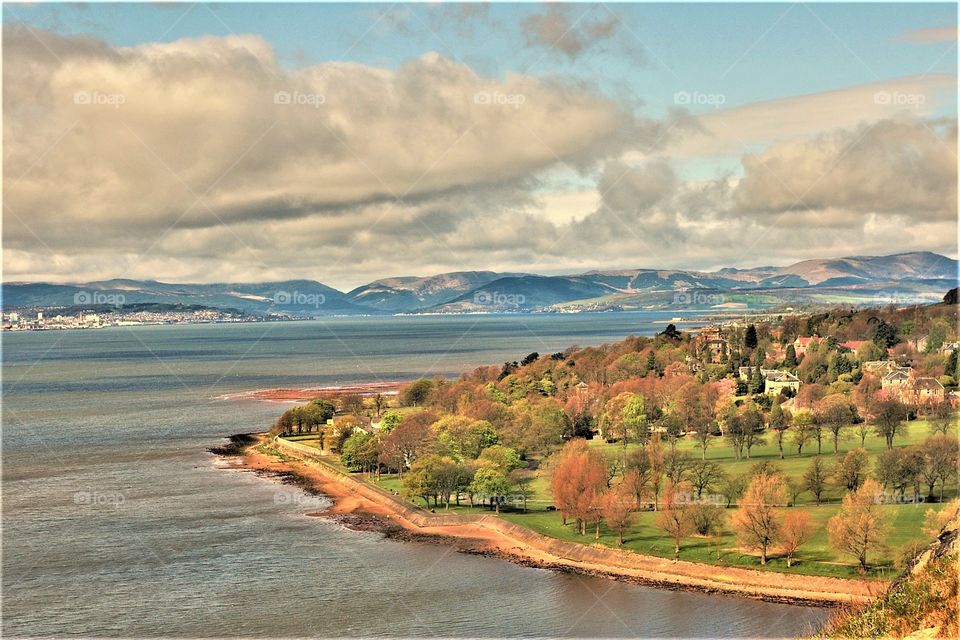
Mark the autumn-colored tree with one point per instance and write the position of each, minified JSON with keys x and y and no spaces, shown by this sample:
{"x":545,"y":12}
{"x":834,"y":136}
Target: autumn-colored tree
{"x":578,"y":482}
{"x":676,"y":513}
{"x":636,"y":477}
{"x":758,"y":519}
{"x":796,"y":530}
{"x":617,"y":510}
{"x":859,"y":527}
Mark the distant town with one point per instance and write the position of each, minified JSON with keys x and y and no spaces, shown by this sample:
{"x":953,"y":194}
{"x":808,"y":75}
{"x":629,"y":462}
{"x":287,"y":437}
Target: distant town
{"x":146,"y":314}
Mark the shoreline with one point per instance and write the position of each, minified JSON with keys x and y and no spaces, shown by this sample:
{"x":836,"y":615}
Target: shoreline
{"x":305,"y":394}
{"x":360,"y":506}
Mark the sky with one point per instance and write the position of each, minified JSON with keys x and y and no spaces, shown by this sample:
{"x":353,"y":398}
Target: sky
{"x":349,"y":142}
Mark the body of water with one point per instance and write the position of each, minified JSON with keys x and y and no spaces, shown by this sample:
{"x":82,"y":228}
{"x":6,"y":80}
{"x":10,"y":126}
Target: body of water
{"x":117,"y":522}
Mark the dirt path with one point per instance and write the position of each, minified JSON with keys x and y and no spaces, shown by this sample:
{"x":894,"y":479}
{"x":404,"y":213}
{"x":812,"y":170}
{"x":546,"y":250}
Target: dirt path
{"x":359,"y":506}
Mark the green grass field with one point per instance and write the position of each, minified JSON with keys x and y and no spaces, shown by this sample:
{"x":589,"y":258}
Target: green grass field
{"x":814,"y":558}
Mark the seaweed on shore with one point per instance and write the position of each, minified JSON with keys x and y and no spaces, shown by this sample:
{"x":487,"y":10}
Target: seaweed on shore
{"x":235,"y":446}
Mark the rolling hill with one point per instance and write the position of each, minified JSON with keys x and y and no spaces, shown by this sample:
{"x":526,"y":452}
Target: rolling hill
{"x":859,"y":280}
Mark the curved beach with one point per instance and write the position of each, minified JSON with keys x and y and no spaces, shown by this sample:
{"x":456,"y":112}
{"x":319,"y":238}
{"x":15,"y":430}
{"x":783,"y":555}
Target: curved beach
{"x":359,"y":505}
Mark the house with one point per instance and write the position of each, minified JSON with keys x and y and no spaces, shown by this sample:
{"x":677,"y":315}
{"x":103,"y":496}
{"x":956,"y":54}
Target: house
{"x":879,"y":367}
{"x":928,"y":391}
{"x":802,"y":343}
{"x":909,"y":388}
{"x":853,"y":345}
{"x":946,"y":347}
{"x":897,"y":381}
{"x":775,"y":381}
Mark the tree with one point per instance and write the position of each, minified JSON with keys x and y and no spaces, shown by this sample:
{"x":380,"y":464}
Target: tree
{"x":703,"y":435}
{"x":704,"y":474}
{"x":797,"y":529}
{"x":779,"y":423}
{"x":942,"y":417}
{"x":530,"y":358}
{"x":888,"y":417}
{"x":790,"y":358}
{"x":490,"y":483}
{"x":852,"y":469}
{"x":751,"y":419}
{"x":389,"y":421}
{"x":676,"y":517}
{"x":859,"y":526}
{"x":416,"y":393}
{"x":802,"y":429}
{"x":940,"y":454}
{"x":522,"y":481}
{"x":351,"y":404}
{"x":750,"y":338}
{"x":815,"y":478}
{"x":422,"y":479}
{"x":636,"y":477}
{"x":379,"y":402}
{"x":835,"y":412}
{"x":579,"y":480}
{"x":351,"y":449}
{"x":676,"y":464}
{"x":617,"y":510}
{"x":503,"y":459}
{"x":655,"y":456}
{"x":758,"y":520}
{"x":732,"y":487}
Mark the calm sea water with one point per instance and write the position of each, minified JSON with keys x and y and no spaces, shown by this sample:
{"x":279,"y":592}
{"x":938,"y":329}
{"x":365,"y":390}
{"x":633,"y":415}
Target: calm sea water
{"x":116,"y":522}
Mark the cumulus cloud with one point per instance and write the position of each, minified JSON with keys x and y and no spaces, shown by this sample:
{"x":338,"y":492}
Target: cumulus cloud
{"x":206,"y":160}
{"x":901,"y":166}
{"x":569,"y":31}
{"x":197,"y":133}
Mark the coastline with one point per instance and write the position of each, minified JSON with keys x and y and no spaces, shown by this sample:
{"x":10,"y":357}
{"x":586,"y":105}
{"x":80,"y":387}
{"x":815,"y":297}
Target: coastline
{"x":360,"y":506}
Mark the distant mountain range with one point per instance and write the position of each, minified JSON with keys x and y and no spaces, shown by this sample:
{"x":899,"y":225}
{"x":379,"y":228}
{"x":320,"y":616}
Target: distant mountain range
{"x":900,"y":278}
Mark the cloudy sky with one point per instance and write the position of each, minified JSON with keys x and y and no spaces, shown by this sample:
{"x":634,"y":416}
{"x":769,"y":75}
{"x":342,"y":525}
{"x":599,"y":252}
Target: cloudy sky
{"x":345,"y":143}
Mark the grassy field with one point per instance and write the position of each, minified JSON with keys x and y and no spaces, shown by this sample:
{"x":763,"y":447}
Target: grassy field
{"x":814,"y":558}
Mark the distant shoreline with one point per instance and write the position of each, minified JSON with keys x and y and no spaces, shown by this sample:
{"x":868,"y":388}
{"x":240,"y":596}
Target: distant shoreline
{"x":360,"y":506}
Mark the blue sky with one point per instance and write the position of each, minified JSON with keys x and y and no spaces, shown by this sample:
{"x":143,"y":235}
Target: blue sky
{"x":747,"y":51}
{"x":784,"y":74}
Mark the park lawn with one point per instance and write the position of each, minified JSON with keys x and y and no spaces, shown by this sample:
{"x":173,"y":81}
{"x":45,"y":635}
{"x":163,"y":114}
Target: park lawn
{"x":792,"y":466}
{"x":814,"y":558}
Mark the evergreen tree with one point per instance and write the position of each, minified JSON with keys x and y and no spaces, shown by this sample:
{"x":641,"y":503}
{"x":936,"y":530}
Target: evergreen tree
{"x":750,"y":337}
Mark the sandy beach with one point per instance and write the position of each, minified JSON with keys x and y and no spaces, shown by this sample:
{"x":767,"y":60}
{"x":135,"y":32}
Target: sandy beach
{"x":359,"y":506}
{"x":305,"y":394}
